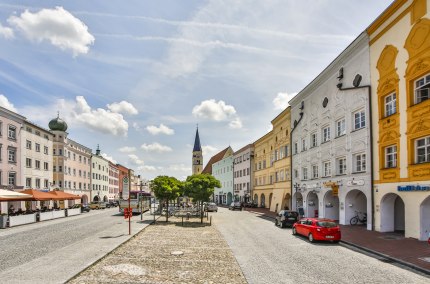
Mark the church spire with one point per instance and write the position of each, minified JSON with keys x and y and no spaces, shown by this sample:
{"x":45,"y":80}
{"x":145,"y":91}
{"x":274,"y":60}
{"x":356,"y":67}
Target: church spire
{"x":197,"y":146}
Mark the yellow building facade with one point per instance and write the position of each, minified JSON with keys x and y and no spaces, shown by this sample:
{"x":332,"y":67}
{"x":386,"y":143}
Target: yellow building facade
{"x":272,"y":184}
{"x":400,"y":79}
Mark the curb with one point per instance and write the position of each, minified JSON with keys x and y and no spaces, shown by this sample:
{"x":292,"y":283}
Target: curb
{"x":393,"y":259}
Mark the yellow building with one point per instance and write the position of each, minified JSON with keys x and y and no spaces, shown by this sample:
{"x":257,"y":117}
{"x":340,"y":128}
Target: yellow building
{"x":400,"y":76}
{"x":272,"y":165}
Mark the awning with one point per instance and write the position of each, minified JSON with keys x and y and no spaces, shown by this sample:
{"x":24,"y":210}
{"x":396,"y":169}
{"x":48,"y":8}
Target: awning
{"x":9,"y":195}
{"x":61,"y":195}
{"x":38,"y":195}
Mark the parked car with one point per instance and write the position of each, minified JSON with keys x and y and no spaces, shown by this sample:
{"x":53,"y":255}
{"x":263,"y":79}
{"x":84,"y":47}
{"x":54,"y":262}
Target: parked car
{"x":108,"y":204}
{"x":250,"y":205}
{"x":318,"y":229}
{"x":97,"y":205}
{"x":85,"y":208}
{"x":235,"y":205}
{"x":286,"y":218}
{"x":211,"y":207}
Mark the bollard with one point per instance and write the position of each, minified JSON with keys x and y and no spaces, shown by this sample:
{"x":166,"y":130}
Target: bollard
{"x":182,"y":221}
{"x":207,"y":216}
{"x":210,"y":222}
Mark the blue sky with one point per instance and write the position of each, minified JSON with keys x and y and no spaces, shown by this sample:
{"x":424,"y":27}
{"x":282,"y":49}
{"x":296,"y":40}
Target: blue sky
{"x":137,"y":76}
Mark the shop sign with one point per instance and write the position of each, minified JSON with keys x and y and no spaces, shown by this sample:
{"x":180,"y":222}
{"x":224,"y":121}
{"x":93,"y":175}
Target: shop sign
{"x":413,"y":188}
{"x":335,"y":190}
{"x":355,"y":182}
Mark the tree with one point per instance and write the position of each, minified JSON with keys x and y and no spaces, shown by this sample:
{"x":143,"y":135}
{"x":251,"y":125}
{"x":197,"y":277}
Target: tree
{"x":165,"y":189}
{"x":200,"y":188}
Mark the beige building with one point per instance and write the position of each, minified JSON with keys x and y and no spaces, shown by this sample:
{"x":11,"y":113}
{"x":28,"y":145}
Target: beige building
{"x":271,"y":188}
{"x":113,"y":182}
{"x":400,"y":78}
{"x":99,"y":177}
{"x":71,"y":163}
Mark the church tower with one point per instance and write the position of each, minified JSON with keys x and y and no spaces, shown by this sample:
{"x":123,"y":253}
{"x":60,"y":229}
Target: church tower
{"x":197,"y":155}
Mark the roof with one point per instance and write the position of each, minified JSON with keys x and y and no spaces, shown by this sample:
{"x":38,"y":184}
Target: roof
{"x":218,"y":157}
{"x":197,"y":146}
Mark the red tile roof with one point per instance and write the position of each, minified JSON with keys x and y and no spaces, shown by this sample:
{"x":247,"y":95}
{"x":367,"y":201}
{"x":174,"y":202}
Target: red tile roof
{"x":218,"y":157}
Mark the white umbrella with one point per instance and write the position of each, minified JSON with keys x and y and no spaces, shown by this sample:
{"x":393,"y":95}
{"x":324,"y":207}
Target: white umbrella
{"x":9,"y":195}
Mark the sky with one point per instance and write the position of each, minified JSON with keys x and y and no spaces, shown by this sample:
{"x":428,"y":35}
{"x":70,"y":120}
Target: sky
{"x":137,"y":77}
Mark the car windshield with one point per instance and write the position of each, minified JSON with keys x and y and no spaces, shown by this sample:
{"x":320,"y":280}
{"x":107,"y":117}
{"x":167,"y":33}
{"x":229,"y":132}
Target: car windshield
{"x":326,"y":224}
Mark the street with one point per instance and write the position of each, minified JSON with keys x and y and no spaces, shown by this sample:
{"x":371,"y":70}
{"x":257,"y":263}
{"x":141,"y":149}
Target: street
{"x":268,"y":254}
{"x":54,"y":251}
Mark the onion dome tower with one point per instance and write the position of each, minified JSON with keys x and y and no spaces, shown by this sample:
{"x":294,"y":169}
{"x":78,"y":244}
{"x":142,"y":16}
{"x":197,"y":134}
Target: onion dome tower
{"x":57,"y":124}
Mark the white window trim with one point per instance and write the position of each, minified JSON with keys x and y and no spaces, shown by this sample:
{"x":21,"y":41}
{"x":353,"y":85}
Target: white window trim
{"x":394,"y":154}
{"x":390,"y":107}
{"x":426,"y":148}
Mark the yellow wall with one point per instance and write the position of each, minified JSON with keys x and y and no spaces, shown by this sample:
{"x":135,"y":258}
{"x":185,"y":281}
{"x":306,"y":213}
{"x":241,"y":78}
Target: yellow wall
{"x":400,"y":54}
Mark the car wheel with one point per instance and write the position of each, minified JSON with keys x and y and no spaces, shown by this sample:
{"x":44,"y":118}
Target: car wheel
{"x":311,"y":238}
{"x":294,"y":231}
{"x":335,"y":242}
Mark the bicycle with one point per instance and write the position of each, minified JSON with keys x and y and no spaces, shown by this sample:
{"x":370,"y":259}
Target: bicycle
{"x":359,"y":217}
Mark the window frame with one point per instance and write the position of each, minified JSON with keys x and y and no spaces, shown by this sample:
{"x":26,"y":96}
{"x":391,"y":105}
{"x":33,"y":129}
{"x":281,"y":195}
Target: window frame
{"x":426,"y":81}
{"x":341,"y":166}
{"x":360,"y":163}
{"x":387,"y":155}
{"x":426,"y":147}
{"x":325,"y":134}
{"x":359,"y":115}
{"x":390,"y":107}
{"x":342,"y":123}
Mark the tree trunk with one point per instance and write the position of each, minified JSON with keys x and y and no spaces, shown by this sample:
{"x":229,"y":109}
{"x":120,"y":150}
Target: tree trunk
{"x":201,"y":212}
{"x":167,"y":210}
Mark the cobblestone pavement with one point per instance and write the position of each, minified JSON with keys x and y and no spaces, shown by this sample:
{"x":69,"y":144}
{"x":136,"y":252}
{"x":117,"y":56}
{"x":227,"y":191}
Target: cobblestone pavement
{"x":147,"y":258}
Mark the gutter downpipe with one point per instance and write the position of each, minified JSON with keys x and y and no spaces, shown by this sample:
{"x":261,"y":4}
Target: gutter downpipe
{"x":291,"y":149}
{"x":372,"y":195}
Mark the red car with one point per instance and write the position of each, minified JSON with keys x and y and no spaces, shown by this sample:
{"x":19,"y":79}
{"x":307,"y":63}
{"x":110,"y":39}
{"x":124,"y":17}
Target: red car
{"x":318,"y":229}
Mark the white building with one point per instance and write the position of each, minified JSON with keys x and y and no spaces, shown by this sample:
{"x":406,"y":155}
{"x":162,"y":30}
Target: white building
{"x":330,"y":118}
{"x":242,"y":173}
{"x":100,"y":177}
{"x":113,"y":182}
{"x":36,"y":156}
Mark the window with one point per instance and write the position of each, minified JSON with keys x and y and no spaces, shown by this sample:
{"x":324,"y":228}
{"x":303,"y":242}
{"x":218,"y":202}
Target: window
{"x":303,"y":144}
{"x":296,"y":148}
{"x":37,"y":164}
{"x":38,"y":183}
{"x":327,"y":169}
{"x":1,"y":128}
{"x":37,"y":147}
{"x":54,"y":168}
{"x":60,"y":152}
{"x":45,"y":150}
{"x":314,"y":171}
{"x":304,"y":173}
{"x":314,"y":139}
{"x":45,"y":166}
{"x":11,"y":154}
{"x":326,"y":134}
{"x":340,"y":127}
{"x":359,"y":119}
{"x":390,"y":104}
{"x":391,"y":156}
{"x":12,"y":132}
{"x":28,"y":163}
{"x":360,"y":162}
{"x":423,"y":150}
{"x":60,"y":168}
{"x":28,"y":144}
{"x":46,"y":183}
{"x":12,"y":178}
{"x":28,"y":182}
{"x":54,"y":152}
{"x":37,"y":133}
{"x":296,"y":173}
{"x":422,"y":87}
{"x":341,"y":166}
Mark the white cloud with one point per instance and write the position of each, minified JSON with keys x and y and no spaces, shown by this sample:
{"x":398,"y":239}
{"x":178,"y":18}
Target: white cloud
{"x":180,"y":168}
{"x":217,"y":111}
{"x":208,"y":151}
{"x":127,"y":149}
{"x":100,"y":120}
{"x":156,"y":147}
{"x":235,"y":123}
{"x":281,"y":100}
{"x":122,"y":107}
{"x":109,"y":158}
{"x":136,"y":126}
{"x":162,"y":129}
{"x":146,"y":169}
{"x":6,"y":32}
{"x":4,"y":102}
{"x":134,"y":159}
{"x":57,"y":26}
{"x":210,"y":109}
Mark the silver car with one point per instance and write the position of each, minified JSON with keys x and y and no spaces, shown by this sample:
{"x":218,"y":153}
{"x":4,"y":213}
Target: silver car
{"x":211,"y":207}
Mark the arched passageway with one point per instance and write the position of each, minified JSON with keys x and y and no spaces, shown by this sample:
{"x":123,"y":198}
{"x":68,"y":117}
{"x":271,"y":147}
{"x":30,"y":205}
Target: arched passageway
{"x":331,"y":206}
{"x":392,"y":213}
{"x":312,"y":205}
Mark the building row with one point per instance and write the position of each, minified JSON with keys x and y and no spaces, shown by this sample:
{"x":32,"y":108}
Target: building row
{"x":355,"y":139}
{"x":33,"y":157}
